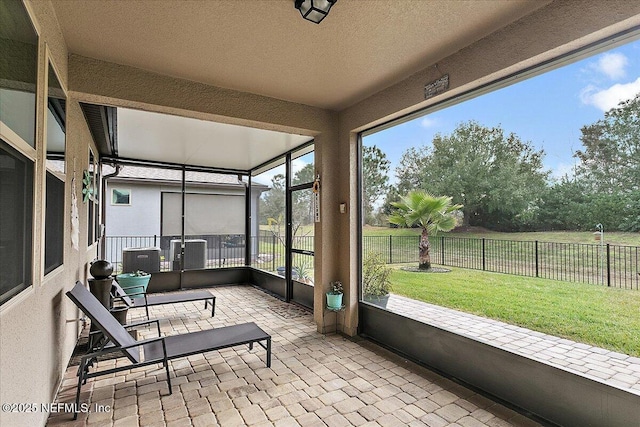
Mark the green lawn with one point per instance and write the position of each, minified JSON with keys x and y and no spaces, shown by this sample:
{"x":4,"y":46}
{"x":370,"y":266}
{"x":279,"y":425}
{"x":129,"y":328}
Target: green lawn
{"x":604,"y":317}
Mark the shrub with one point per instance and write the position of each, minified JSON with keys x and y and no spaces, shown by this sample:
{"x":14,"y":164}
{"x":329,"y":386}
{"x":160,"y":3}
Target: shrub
{"x":375,"y":275}
{"x":303,"y":270}
{"x":336,"y":288}
{"x":140,"y":273}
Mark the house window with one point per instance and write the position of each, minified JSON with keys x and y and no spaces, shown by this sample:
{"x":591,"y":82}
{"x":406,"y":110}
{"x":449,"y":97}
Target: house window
{"x":121,"y":196}
{"x":56,"y":144}
{"x":16,"y":218}
{"x":54,"y":224}
{"x":18,"y":72}
{"x":18,"y":76}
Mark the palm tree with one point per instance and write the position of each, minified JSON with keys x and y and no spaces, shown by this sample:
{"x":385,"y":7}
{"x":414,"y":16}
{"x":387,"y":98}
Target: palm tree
{"x":431,"y":213}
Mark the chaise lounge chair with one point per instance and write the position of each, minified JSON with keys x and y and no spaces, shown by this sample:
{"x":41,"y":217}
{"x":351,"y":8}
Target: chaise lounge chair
{"x":155,"y":350}
{"x":141,"y":299}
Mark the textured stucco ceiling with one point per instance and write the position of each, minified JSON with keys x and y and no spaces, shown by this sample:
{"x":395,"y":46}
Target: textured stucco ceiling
{"x":265,"y":47}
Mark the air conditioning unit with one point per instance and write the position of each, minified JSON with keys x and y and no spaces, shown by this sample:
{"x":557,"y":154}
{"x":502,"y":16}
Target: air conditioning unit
{"x":145,"y":259}
{"x":195,"y":254}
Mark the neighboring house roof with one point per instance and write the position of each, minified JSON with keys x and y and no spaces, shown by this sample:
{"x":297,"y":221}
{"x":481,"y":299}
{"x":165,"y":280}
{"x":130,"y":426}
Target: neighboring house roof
{"x":173,"y":176}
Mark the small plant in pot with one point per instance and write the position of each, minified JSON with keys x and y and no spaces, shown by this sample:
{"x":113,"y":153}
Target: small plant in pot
{"x":376,"y":283}
{"x":302,"y":273}
{"x":134,"y":283}
{"x":334,"y":296}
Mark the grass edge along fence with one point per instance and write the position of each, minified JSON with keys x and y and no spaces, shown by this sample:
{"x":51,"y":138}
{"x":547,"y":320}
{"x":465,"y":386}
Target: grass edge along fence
{"x":610,"y":265}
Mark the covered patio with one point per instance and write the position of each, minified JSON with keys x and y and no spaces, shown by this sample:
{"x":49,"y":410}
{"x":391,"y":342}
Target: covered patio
{"x":314,"y":380}
{"x":258,"y":68}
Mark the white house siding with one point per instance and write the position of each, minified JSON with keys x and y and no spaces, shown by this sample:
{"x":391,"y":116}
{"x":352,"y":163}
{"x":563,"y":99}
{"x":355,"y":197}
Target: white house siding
{"x":155,"y":210}
{"x":140,"y":218}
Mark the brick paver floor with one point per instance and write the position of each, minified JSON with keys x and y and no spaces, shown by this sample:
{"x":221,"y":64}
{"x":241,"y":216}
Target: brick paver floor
{"x":616,"y":369}
{"x":314,"y":379}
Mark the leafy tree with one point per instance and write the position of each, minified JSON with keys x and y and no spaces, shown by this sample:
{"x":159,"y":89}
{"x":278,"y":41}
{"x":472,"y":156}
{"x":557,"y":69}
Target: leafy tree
{"x":571,"y":205}
{"x":431,"y":213}
{"x":302,"y":200}
{"x":492,"y":174}
{"x":272,"y":202}
{"x":631,"y":220}
{"x":375,"y":173}
{"x":393,"y":195}
{"x":610,"y":168}
{"x":610,"y":161}
{"x":304,"y":175}
{"x":561,"y":206}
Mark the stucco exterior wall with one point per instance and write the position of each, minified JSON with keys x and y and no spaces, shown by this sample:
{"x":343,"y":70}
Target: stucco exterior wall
{"x":37,"y":327}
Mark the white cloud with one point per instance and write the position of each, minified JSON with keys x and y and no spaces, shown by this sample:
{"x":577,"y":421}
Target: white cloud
{"x":266,"y":177}
{"x":429,"y":122}
{"x":561,"y":170}
{"x":606,"y":99}
{"x":612,"y":65}
{"x":297,"y":164}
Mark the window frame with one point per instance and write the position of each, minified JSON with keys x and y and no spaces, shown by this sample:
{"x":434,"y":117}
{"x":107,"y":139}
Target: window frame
{"x":113,"y":203}
{"x":59,"y":264}
{"x":29,"y":155}
{"x":93,"y":202}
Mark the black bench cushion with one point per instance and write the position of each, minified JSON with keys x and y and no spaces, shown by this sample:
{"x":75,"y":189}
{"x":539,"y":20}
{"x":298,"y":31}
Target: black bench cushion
{"x":173,"y":298}
{"x":202,"y":341}
{"x":160,"y":299}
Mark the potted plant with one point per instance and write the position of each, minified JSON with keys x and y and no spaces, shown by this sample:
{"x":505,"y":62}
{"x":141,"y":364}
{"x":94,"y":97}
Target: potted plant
{"x":334,"y":296}
{"x":302,"y":273}
{"x":376,"y":283}
{"x":134,"y":283}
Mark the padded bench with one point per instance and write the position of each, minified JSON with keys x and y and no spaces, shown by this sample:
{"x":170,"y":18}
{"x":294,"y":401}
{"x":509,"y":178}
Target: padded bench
{"x":142,"y":299}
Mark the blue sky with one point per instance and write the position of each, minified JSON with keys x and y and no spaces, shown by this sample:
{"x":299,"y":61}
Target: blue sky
{"x":547,"y":110}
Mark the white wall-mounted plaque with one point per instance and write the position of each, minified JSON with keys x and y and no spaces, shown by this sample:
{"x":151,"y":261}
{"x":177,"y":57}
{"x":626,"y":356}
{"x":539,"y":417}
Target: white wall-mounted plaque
{"x":436,"y":87}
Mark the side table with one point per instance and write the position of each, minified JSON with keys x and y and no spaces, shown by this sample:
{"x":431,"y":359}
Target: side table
{"x":328,"y":309}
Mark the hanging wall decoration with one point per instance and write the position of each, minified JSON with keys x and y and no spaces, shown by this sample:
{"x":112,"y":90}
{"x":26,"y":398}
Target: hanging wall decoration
{"x":87,"y":187}
{"x":75,"y":218}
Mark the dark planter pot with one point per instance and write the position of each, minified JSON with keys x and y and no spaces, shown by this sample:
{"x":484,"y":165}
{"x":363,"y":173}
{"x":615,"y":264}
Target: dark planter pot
{"x":101,"y":289}
{"x":379,"y":301}
{"x":132,"y":284}
{"x":120,"y":313}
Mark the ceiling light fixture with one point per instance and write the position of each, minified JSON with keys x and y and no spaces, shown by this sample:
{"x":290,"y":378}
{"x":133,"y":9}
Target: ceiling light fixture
{"x":314,"y":10}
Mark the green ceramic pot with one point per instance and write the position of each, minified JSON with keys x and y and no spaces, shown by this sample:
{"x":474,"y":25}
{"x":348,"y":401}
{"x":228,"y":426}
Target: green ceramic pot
{"x":132,"y":284}
{"x":334,"y":301}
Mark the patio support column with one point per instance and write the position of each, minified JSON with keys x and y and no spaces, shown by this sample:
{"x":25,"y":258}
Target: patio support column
{"x":332,"y":239}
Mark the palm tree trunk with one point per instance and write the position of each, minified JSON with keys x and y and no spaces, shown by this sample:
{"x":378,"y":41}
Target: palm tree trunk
{"x":424,"y":256}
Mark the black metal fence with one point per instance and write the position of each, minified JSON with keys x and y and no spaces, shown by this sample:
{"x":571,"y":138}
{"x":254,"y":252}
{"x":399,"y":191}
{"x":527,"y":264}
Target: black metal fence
{"x":207,"y":251}
{"x":610,"y":265}
{"x":201,"y":251}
